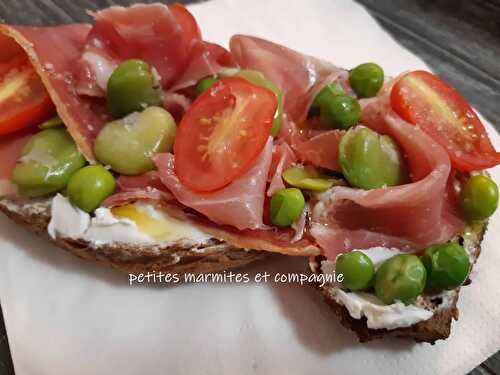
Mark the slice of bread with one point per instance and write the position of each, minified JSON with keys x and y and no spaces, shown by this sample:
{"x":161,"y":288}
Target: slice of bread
{"x":180,"y":258}
{"x":438,"y":327}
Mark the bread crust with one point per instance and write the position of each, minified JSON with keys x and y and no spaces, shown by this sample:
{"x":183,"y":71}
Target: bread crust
{"x":213,"y":256}
{"x":436,"y":328}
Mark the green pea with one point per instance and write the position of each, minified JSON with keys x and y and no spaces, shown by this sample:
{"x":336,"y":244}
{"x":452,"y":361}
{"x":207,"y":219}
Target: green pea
{"x":369,"y":160}
{"x":132,"y":87}
{"x":339,"y":112}
{"x":89,"y":186}
{"x":447,"y":266}
{"x":258,"y":79}
{"x":47,"y":162}
{"x":204,"y":84}
{"x":286,"y":206}
{"x":479,"y":198}
{"x":326,"y":94}
{"x":357,"y":269}
{"x":51,"y":123}
{"x":307,"y":178}
{"x":129,"y":144}
{"x":366,"y":79}
{"x":400,"y":278}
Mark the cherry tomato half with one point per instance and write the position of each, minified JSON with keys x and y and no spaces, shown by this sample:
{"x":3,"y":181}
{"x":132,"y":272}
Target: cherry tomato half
{"x":222,"y":133}
{"x":425,"y":100}
{"x":24,"y":101}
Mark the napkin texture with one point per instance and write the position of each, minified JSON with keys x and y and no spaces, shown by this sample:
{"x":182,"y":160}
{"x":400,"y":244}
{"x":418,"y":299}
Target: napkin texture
{"x":66,"y":316}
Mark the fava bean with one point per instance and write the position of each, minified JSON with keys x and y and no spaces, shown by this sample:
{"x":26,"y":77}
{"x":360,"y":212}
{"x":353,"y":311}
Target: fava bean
{"x":369,"y":160}
{"x":129,"y":144}
{"x":48,"y":160}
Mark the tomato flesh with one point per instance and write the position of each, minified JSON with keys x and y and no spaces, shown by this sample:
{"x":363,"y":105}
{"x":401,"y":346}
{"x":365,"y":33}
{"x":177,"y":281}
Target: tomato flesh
{"x":223,"y":133}
{"x":425,"y":100}
{"x":24,"y":101}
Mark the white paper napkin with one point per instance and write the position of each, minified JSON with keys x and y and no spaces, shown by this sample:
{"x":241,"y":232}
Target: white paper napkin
{"x":66,"y":316}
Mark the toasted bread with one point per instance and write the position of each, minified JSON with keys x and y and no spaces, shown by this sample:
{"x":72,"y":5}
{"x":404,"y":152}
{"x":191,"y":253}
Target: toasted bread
{"x":438,"y":327}
{"x":180,"y":258}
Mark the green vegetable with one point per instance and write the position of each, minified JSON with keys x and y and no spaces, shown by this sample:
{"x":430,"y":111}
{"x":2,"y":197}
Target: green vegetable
{"x":366,"y":79}
{"x":258,"y":79}
{"x":51,"y":123}
{"x":369,"y":160}
{"x":357,"y":268}
{"x":326,"y":94}
{"x":204,"y":84}
{"x":400,"y":278}
{"x":132,"y":87}
{"x":89,"y":186}
{"x":307,"y":178}
{"x":48,"y":160}
{"x":129,"y":144}
{"x":479,"y":198}
{"x":286,"y":206}
{"x":340,"y":112}
{"x":447,"y":266}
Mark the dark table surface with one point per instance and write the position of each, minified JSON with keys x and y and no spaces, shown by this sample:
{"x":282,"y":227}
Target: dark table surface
{"x":459,"y":39}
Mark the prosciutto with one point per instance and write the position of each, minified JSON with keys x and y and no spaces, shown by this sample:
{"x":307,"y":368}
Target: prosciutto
{"x":283,"y":158}
{"x":153,"y":33}
{"x":312,"y":145}
{"x":413,"y":216}
{"x":166,"y":37}
{"x":240,"y":204}
{"x":206,"y":59}
{"x":11,"y":147}
{"x":320,"y":149}
{"x":54,"y":52}
{"x":300,"y":77}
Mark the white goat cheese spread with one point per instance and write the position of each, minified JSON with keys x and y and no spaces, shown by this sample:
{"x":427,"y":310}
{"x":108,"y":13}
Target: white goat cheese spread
{"x":378,"y":314}
{"x":68,"y":221}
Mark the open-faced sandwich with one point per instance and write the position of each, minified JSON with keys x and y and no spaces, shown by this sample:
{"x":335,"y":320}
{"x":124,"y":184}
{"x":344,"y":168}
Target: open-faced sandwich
{"x":169,"y":153}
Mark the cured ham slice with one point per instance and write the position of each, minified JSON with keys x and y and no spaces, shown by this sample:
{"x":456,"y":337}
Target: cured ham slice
{"x":312,"y":146}
{"x":176,"y":104}
{"x":132,"y":195}
{"x":300,"y":77}
{"x":282,"y":241}
{"x":414,"y":215}
{"x":147,"y":187}
{"x":206,"y":59}
{"x":166,"y":37}
{"x":11,"y":147}
{"x":321,"y":150}
{"x":283,"y":158}
{"x":54,"y":52}
{"x":240,"y":204}
{"x":153,"y":33}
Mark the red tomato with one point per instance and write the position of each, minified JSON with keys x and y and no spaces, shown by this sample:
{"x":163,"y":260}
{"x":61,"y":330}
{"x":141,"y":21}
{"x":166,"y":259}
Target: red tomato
{"x":423,"y":99}
{"x":186,"y":20}
{"x":222,"y":133}
{"x":24,"y":102}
